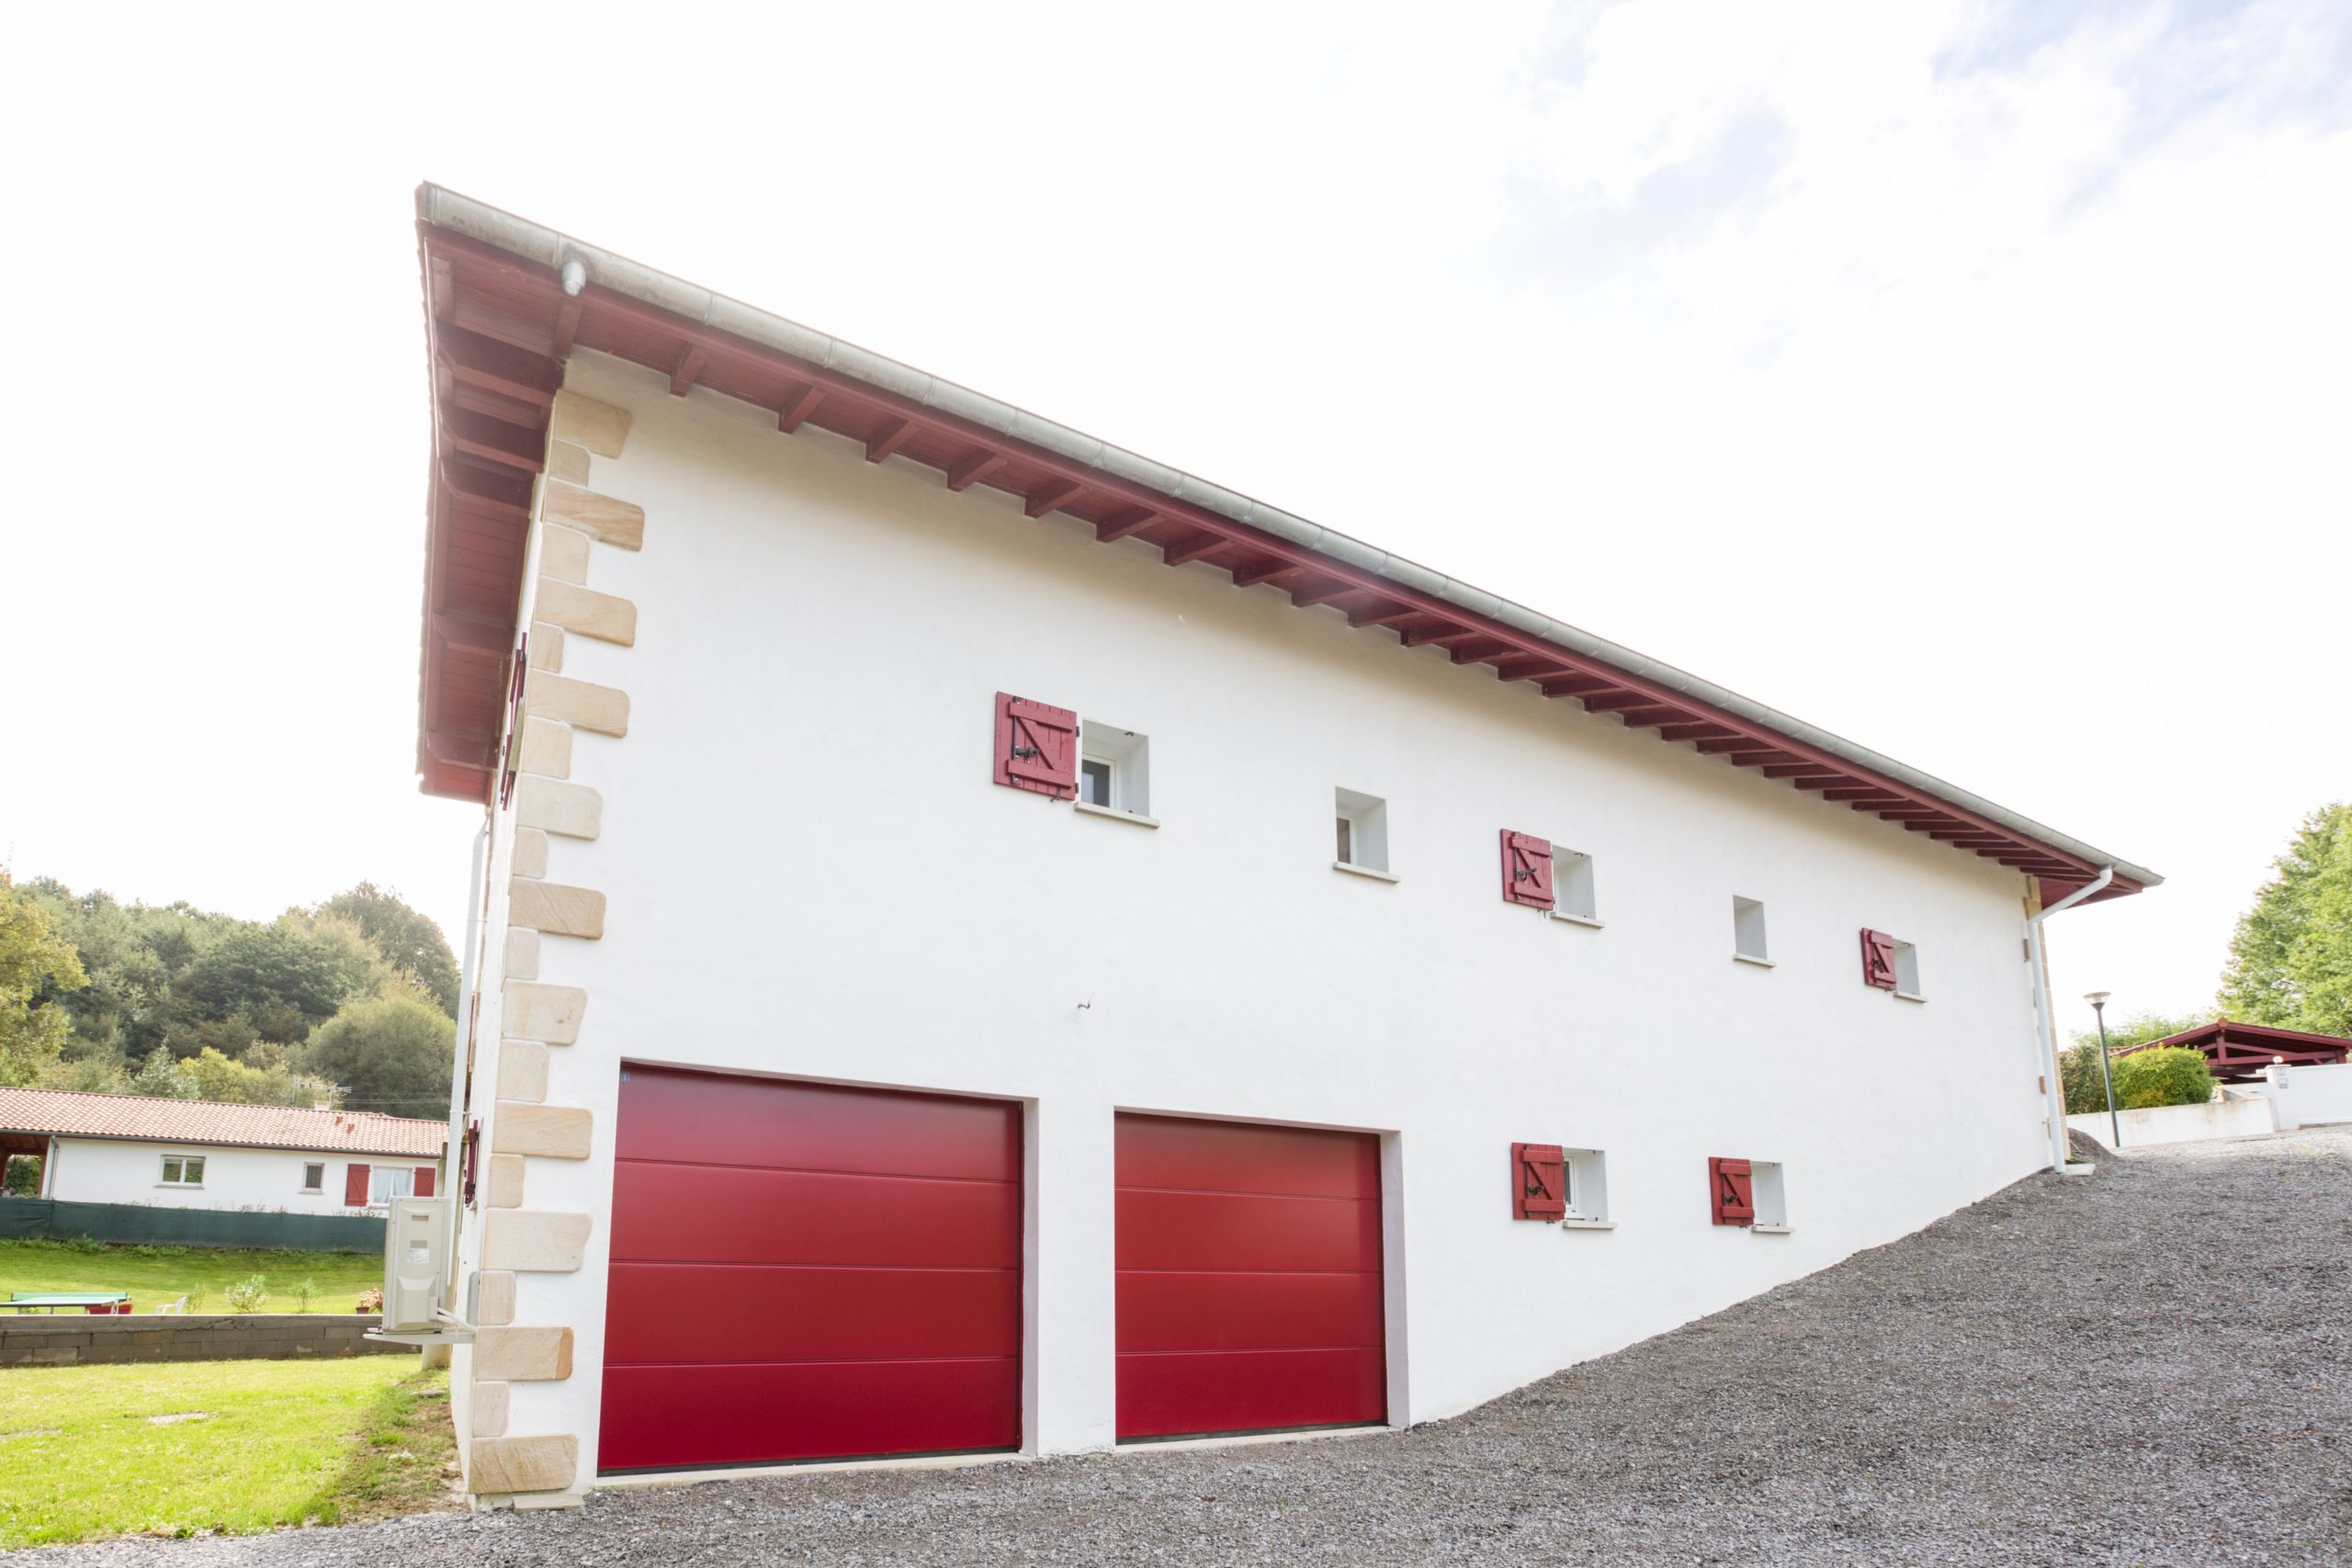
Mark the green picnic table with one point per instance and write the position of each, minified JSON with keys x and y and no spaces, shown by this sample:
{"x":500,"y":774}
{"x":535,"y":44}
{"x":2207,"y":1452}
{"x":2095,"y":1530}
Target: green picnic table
{"x":50,"y":1300}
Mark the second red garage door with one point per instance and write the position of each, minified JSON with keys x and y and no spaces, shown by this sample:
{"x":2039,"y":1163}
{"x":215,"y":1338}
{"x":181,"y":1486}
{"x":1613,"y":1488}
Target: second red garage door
{"x":807,"y":1271}
{"x":1250,"y":1277}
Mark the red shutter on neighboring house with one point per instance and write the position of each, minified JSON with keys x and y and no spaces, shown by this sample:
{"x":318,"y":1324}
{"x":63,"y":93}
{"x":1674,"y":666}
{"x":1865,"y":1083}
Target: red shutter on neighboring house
{"x":1527,"y":870}
{"x":1539,"y":1182}
{"x":1732,"y":1190}
{"x":1036,"y":747}
{"x":424,"y":1185}
{"x":355,"y":1186}
{"x":1878,"y":960}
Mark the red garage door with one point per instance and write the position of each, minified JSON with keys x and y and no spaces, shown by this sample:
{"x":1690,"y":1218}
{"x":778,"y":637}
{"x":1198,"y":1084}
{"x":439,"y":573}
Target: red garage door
{"x":1249,"y":1277}
{"x":806,"y":1271}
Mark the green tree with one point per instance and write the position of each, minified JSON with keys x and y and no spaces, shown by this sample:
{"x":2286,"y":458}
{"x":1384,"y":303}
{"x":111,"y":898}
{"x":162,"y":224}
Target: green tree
{"x":2078,"y":1066}
{"x":2169,"y":1075}
{"x":2290,"y":959}
{"x":285,"y":978}
{"x":410,"y":942}
{"x":36,"y":965}
{"x":392,"y":1054}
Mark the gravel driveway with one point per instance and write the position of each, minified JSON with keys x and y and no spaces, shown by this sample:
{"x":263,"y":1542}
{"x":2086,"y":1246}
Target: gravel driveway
{"x":2153,"y":1365}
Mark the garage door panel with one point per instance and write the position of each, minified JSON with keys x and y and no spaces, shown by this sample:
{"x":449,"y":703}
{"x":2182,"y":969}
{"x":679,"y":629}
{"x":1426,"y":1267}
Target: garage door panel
{"x":710,"y":1214}
{"x":669,"y":1314}
{"x":1248,"y":1312}
{"x":1246,"y":1230}
{"x":1179,"y":1395}
{"x":1228,"y":1156}
{"x":778,"y":1413}
{"x":776,"y":1122}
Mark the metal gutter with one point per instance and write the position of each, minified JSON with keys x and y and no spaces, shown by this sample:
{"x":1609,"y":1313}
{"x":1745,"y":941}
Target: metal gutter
{"x":634,"y":280}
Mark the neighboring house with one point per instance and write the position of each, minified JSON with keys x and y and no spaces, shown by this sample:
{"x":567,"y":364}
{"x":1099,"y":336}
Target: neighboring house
{"x":2237,"y":1053}
{"x":199,"y":1154}
{"x":992,"y":943}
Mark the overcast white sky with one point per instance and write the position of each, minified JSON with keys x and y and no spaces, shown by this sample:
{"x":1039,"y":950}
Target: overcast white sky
{"x":1972,"y":379}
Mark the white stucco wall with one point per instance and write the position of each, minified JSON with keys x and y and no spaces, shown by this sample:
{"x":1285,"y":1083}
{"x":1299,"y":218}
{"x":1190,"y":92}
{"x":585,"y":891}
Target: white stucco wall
{"x":2232,"y":1118}
{"x":811,"y":875}
{"x":115,"y":1170}
{"x":2307,"y":1097}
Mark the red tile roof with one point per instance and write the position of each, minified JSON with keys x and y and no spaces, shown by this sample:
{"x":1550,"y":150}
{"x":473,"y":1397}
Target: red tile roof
{"x":207,"y":1122}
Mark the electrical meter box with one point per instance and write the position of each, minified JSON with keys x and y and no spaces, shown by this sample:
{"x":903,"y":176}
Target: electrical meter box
{"x":416,"y":1264}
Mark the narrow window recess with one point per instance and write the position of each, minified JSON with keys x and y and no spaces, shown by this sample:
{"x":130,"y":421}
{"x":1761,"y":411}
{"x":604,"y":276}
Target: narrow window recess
{"x":315,"y":1177}
{"x":1906,"y":974}
{"x":1362,"y":838}
{"x":1572,"y":888}
{"x":388,"y":1182}
{"x":1748,"y":932}
{"x":183,"y":1170}
{"x":1588,"y":1191}
{"x":1114,"y":773}
{"x":1771,"y":1192}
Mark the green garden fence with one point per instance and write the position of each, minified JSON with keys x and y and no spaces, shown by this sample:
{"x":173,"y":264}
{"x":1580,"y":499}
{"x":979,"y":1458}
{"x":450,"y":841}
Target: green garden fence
{"x":157,"y":1226}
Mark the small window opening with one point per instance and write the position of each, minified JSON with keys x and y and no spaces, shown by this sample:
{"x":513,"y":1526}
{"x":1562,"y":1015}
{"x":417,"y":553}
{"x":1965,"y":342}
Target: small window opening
{"x":184,"y":1170}
{"x":1114,"y":768}
{"x":1771,"y":1194}
{"x":1362,"y":829}
{"x":386,"y":1183}
{"x":1587,"y":1187}
{"x":1748,"y":930}
{"x":1572,"y":885}
{"x":1907,"y":972}
{"x":315,"y":1177}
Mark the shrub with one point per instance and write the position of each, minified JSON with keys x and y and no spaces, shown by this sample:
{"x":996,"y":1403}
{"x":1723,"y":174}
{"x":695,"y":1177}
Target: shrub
{"x":2169,"y":1075}
{"x":247,"y":1294}
{"x":23,"y":1179}
{"x":305,"y":1293}
{"x":2078,"y":1074}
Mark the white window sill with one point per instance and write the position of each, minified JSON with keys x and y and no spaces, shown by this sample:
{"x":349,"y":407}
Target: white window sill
{"x":1774,"y":1230}
{"x":180,"y":1187}
{"x":1907,"y":995}
{"x":1138,"y":817}
{"x":1354,"y":869}
{"x":1574,"y":919}
{"x":1574,"y":1223}
{"x":1751,"y":958}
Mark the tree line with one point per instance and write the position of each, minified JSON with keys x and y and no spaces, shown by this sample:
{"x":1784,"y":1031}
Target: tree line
{"x":2290,"y":962}
{"x":348,"y":1003}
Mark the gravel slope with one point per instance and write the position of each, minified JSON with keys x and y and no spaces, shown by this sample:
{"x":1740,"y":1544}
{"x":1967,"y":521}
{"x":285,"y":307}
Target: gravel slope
{"x":2153,"y":1365}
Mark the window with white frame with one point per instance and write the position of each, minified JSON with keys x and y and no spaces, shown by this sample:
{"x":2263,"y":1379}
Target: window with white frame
{"x":1907,"y":972}
{"x":1363,"y":839}
{"x":1748,"y":930}
{"x":1586,"y":1182}
{"x":1770,"y":1189}
{"x":388,"y":1182}
{"x":1113,"y":769}
{"x":1572,"y":891}
{"x":183,"y":1170}
{"x":314,"y":1176}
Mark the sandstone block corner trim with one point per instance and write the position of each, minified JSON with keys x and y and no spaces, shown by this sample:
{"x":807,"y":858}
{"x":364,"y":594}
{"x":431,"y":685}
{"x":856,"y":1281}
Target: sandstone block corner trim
{"x":523,"y":1464}
{"x":534,"y":1241}
{"x":551,"y":1132}
{"x":557,"y":909}
{"x":611,"y":522}
{"x":534,"y":1011}
{"x":601,"y":708}
{"x":585,"y":422}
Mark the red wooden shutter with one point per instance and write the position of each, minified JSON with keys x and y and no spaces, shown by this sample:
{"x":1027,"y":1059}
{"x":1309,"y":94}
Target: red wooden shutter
{"x":355,"y":1186}
{"x":422,"y":1188}
{"x":1527,"y":870}
{"x":1036,"y":747}
{"x":1878,"y":960}
{"x":1732,"y":1191}
{"x":1539,"y":1182}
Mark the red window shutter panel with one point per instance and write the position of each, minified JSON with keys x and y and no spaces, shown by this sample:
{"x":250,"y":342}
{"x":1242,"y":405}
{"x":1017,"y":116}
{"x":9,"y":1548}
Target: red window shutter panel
{"x":1878,"y":960}
{"x":423,"y":1187}
{"x":1732,"y":1191}
{"x":354,"y":1185}
{"x":1527,"y":870}
{"x":1036,"y":747}
{"x":1539,"y":1181}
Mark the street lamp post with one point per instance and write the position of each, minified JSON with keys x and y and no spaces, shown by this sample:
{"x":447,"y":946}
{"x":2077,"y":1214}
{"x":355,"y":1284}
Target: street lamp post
{"x":2106,"y":1075}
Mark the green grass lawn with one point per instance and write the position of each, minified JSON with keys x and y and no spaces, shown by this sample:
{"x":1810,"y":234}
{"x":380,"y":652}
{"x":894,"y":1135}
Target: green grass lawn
{"x":175,"y":1447}
{"x":154,"y":1275}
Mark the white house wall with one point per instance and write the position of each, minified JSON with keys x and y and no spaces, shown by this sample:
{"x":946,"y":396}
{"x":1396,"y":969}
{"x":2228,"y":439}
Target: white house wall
{"x":810,"y":874}
{"x":116,"y":1170}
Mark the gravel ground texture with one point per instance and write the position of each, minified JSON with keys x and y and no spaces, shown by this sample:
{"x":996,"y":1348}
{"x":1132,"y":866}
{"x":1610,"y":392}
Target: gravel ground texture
{"x":2150,"y":1366}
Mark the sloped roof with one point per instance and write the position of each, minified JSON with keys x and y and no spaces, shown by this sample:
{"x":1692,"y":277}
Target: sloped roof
{"x":152,"y":1120}
{"x":508,"y":301}
{"x":2238,"y":1052}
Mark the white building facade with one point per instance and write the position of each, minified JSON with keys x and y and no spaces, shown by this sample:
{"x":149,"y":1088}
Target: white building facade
{"x":789,"y":808}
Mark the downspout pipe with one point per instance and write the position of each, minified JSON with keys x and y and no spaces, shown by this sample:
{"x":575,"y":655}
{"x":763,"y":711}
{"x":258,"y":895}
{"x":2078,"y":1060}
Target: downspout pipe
{"x":452,"y":1176}
{"x":2045,"y":1029}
